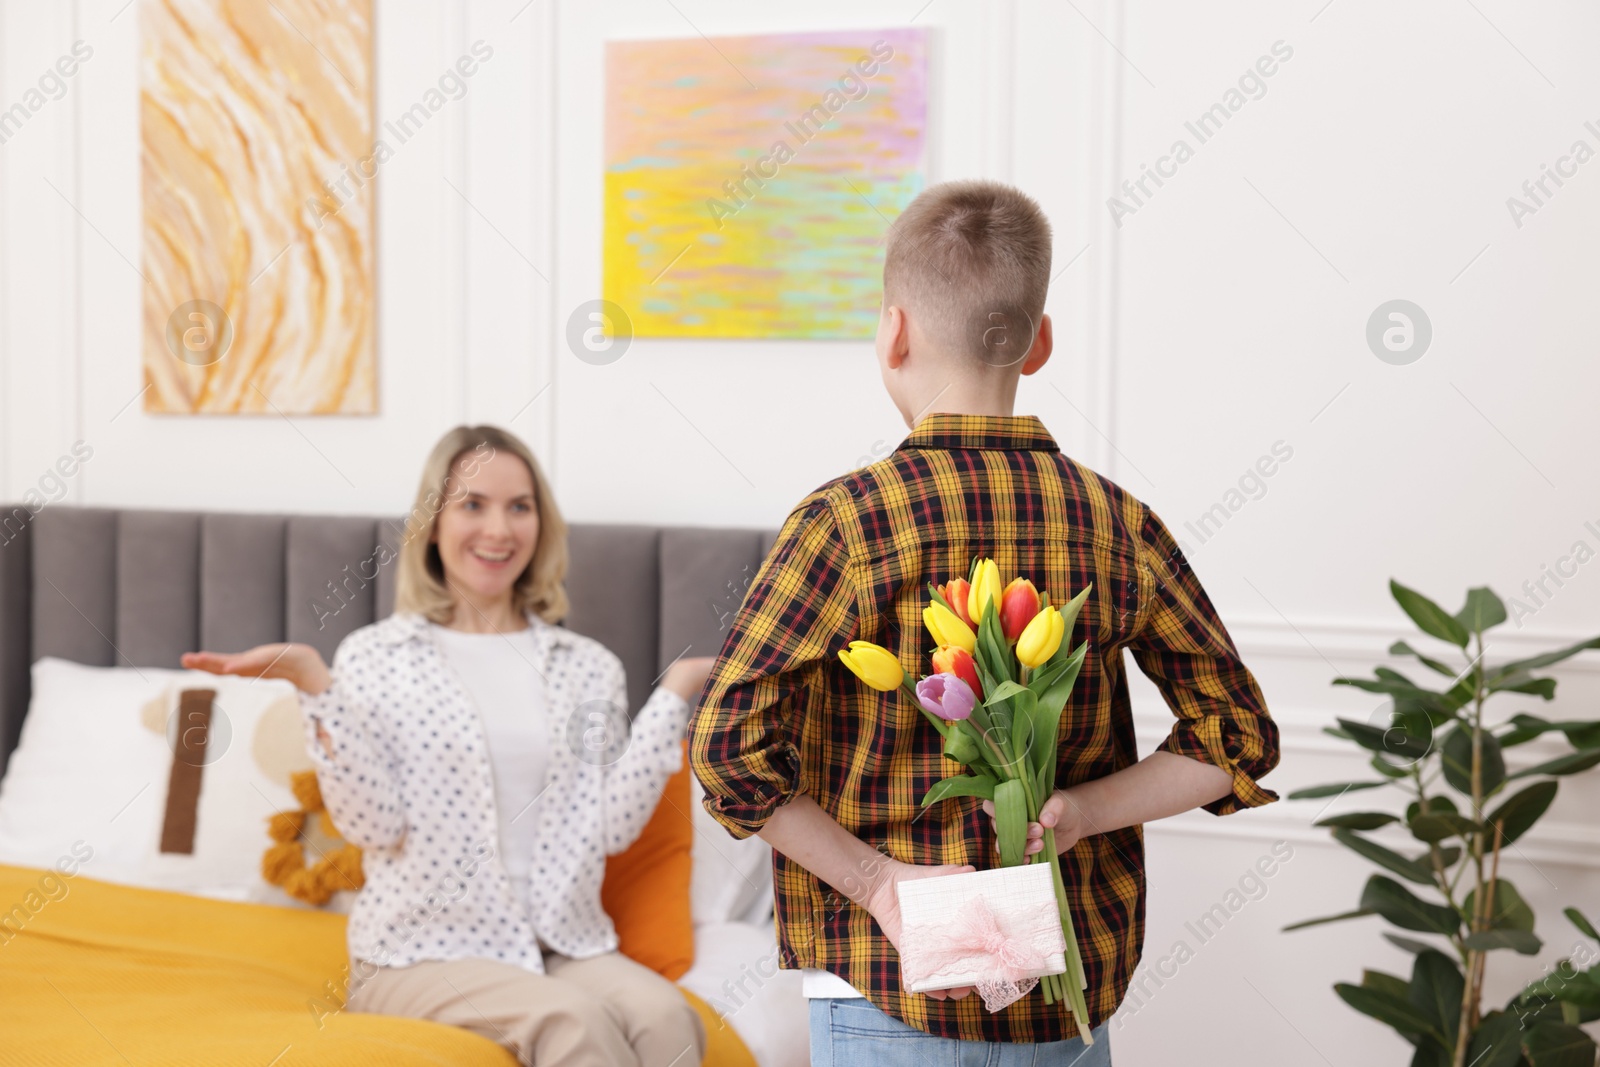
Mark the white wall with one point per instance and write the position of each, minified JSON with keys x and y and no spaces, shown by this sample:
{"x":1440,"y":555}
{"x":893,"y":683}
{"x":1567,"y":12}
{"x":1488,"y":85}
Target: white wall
{"x":1226,"y":314}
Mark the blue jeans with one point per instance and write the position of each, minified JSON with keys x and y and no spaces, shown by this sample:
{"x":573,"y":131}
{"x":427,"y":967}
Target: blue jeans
{"x":850,"y":1032}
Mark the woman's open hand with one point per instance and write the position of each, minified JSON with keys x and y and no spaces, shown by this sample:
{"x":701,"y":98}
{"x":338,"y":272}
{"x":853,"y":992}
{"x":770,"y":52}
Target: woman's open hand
{"x":298,"y":663}
{"x":687,"y":677}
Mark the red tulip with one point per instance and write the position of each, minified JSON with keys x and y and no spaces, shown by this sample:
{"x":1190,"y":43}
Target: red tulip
{"x":1019,"y":603}
{"x":956,"y":591}
{"x":950,"y":659}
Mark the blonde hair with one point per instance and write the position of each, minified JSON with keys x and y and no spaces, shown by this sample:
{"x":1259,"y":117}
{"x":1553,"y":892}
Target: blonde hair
{"x":967,"y":257}
{"x":420,"y":584}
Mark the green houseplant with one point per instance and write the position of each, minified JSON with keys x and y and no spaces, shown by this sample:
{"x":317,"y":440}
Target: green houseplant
{"x":1438,"y":747}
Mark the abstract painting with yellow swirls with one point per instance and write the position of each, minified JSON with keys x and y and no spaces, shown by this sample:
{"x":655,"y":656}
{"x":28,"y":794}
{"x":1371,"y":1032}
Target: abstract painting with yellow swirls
{"x":256,"y":121}
{"x":749,"y":180}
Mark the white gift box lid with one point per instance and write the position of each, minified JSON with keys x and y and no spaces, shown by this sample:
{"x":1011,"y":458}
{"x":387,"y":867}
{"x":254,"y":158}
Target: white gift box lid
{"x":1009,"y":892}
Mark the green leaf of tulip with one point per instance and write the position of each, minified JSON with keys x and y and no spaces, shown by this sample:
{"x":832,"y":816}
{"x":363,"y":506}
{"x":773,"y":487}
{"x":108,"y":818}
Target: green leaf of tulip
{"x":1011,"y":821}
{"x":962,"y":785}
{"x":1430,"y":618}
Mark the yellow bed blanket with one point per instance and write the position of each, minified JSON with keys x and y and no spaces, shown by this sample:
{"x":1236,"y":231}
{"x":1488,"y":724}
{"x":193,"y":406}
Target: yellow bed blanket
{"x":94,"y":973}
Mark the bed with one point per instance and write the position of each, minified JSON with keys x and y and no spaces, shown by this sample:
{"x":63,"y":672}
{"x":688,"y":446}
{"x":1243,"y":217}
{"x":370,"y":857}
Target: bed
{"x":158,"y":959}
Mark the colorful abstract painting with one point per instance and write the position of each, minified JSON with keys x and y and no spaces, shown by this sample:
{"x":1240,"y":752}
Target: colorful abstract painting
{"x":257,"y":175}
{"x":749,"y":180}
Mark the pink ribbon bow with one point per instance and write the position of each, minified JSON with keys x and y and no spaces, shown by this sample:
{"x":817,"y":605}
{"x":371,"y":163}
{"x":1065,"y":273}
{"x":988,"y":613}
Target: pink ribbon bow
{"x":930,"y":949}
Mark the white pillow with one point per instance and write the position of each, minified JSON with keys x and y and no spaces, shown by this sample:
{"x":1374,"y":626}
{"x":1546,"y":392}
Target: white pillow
{"x":95,"y":760}
{"x":730,"y":880}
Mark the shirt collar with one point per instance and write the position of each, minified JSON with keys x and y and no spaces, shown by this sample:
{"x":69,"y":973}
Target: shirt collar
{"x":943,"y":429}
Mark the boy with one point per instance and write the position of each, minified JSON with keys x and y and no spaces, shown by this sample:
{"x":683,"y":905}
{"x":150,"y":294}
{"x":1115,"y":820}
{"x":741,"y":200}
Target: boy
{"x":789,"y":744}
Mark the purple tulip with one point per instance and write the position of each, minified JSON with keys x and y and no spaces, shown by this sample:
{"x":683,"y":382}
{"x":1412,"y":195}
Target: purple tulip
{"x":946,"y":696}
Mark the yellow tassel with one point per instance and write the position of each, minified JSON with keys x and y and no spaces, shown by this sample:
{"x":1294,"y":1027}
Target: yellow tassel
{"x":325,"y":823}
{"x":306,"y":790}
{"x":286,"y":825}
{"x":306,"y":886}
{"x":281,"y":861}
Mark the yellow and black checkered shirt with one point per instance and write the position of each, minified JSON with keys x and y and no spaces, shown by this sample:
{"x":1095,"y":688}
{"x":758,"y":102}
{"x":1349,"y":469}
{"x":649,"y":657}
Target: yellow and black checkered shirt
{"x":780,"y":714}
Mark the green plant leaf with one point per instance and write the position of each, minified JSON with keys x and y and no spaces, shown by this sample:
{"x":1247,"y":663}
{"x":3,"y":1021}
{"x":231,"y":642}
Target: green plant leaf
{"x":1316,"y":791}
{"x":1397,"y":904}
{"x":1433,"y":701}
{"x":1011,"y":821}
{"x":1497,"y":1042}
{"x":1432,"y":827}
{"x":1542,"y":660}
{"x":1384,"y":982}
{"x":1400,"y":648}
{"x":1525,"y":683}
{"x":1551,"y":1044}
{"x":1385,"y":1007}
{"x":1571,"y":763}
{"x":1482,"y":611}
{"x":1395,"y":741}
{"x":1387,"y":769}
{"x":1435,"y":991}
{"x":1582,"y":733}
{"x":1408,"y":944}
{"x":1581,"y":921}
{"x":1358,"y":820}
{"x":961,"y":785}
{"x":1358,"y":913}
{"x":1430,"y":618}
{"x":1520,"y":811}
{"x":1520,"y":941}
{"x":1430,"y":1053}
{"x":1456,"y":753}
{"x":1511,"y":912}
{"x":1384,"y":857}
{"x":1003,"y":692}
{"x":1069,"y":612}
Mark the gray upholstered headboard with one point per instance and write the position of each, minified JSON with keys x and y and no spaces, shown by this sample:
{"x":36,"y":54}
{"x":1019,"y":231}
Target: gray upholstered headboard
{"x":114,"y":587}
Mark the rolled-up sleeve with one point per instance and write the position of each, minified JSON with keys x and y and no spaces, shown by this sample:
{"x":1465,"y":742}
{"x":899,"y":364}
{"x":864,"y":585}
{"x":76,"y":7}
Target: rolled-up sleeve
{"x":799,"y":612}
{"x":1181,"y":644}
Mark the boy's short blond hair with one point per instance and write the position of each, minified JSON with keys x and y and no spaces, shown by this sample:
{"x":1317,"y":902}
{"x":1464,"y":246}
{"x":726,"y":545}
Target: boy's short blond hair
{"x":970,"y":262}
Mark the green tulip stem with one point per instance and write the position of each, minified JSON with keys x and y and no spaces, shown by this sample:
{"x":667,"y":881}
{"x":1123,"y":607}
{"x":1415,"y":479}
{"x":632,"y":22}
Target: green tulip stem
{"x":1073,"y":981}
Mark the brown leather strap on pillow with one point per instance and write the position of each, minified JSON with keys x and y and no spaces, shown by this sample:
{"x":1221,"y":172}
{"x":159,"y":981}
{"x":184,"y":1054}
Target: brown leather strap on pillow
{"x":188,"y":763}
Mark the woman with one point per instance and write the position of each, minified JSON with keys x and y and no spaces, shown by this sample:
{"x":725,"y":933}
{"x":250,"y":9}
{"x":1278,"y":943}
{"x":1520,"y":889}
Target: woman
{"x":481,"y":758}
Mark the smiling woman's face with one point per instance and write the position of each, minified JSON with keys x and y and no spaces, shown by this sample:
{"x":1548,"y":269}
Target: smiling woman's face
{"x":490,"y":526}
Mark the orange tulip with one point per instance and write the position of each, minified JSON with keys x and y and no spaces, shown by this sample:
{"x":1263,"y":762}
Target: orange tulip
{"x":1019,"y":603}
{"x":956,"y":591}
{"x":952,"y":659}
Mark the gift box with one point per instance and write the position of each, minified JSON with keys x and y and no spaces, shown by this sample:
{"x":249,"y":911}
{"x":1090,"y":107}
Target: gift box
{"x":998,"y":930}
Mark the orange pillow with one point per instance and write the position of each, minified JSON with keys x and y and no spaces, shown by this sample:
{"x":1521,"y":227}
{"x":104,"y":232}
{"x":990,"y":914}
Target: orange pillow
{"x":646,"y":887}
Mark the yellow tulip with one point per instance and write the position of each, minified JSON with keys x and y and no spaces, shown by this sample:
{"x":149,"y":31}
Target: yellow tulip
{"x":873,"y":664}
{"x":1041,"y":637}
{"x":947,"y":627}
{"x":986,"y":586}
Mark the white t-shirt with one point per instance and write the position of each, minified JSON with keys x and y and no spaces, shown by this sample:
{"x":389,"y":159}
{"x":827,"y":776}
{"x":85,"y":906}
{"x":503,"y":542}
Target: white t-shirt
{"x":497,"y":672}
{"x":816,"y":982}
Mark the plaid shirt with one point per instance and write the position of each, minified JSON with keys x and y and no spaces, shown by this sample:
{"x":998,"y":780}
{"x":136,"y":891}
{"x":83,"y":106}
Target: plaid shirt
{"x":781,"y":715}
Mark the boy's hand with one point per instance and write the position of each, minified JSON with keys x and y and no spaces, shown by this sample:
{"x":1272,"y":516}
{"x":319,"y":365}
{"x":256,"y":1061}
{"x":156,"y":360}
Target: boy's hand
{"x":884,"y":903}
{"x":1061,"y":812}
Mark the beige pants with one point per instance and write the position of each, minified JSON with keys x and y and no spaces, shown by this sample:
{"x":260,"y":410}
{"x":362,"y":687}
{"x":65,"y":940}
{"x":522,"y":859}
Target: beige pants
{"x":605,"y":1011}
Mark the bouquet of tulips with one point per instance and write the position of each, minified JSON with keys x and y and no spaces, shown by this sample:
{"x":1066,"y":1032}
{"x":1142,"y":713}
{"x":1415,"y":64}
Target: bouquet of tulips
{"x":1003,"y":670}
